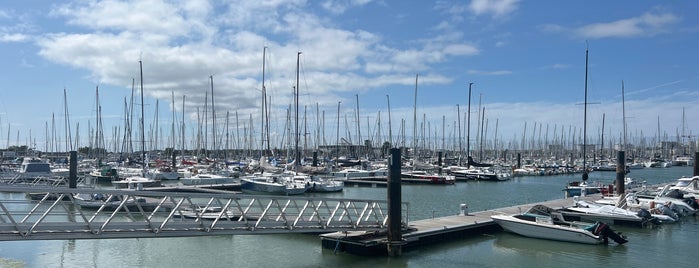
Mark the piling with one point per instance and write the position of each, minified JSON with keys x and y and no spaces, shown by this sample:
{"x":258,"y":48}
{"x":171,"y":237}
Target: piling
{"x":174,"y":160}
{"x":439,"y":162}
{"x":73,"y":170}
{"x":696,"y":166}
{"x":519,"y":160}
{"x":395,"y":237}
{"x":620,"y":172}
{"x":315,"y":159}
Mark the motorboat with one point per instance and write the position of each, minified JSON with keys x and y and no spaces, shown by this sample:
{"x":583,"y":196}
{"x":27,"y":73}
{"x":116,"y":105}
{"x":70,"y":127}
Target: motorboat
{"x":136,"y":182}
{"x":319,"y":184}
{"x":611,"y":214}
{"x":577,"y":188}
{"x":688,"y":186}
{"x":110,"y":202}
{"x":274,"y":184}
{"x":207,"y":179}
{"x":423,"y":176}
{"x":349,"y":173}
{"x":545,"y":223}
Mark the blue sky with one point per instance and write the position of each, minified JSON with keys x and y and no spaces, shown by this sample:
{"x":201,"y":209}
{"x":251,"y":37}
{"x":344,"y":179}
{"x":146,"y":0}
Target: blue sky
{"x":525,"y":58}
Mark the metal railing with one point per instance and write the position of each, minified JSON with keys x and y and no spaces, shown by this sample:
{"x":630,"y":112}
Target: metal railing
{"x":46,"y":213}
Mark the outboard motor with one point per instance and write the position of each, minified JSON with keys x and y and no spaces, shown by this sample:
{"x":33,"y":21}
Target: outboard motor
{"x":691,"y":202}
{"x":606,"y":232}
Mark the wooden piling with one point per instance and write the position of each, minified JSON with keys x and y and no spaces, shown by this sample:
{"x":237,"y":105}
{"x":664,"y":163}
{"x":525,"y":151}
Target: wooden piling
{"x":620,"y":172}
{"x":73,"y":170}
{"x":395,"y":237}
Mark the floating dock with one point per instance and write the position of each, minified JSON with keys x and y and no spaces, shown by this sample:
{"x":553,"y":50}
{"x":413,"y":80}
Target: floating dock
{"x":429,"y":231}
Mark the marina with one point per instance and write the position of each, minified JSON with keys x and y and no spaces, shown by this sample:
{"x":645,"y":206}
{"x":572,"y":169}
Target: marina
{"x":428,"y":219}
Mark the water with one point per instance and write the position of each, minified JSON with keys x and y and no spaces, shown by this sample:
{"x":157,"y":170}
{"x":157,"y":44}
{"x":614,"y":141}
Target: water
{"x":672,"y":243}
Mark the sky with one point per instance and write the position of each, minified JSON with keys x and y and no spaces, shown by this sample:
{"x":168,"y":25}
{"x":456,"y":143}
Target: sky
{"x":526,"y":61}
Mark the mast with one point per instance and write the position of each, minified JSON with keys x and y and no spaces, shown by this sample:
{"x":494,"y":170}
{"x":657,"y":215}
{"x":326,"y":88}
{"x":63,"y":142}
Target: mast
{"x":468,"y":127}
{"x":359,"y":132}
{"x":143,"y":135}
{"x":390,"y":133}
{"x":415,"y":118}
{"x":69,"y":144}
{"x":265,"y":123}
{"x":623,"y":114}
{"x":296,"y":100}
{"x":585,"y":175}
{"x":458,"y":119}
{"x":183,"y":126}
{"x":213,"y":117}
{"x":337,"y":156}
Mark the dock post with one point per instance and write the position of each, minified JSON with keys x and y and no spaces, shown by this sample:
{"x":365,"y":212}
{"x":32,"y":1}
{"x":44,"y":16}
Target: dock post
{"x":620,"y":172}
{"x":439,"y":162}
{"x":395,"y":237}
{"x":174,"y":160}
{"x":315,"y":158}
{"x":519,"y":160}
{"x":696,"y":166}
{"x":73,"y":170}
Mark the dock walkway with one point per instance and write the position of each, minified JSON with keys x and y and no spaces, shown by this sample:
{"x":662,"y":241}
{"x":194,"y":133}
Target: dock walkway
{"x":428,"y":231}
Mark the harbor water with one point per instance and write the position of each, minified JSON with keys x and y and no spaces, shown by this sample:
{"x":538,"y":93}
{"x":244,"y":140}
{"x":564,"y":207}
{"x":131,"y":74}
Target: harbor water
{"x":671,"y":245}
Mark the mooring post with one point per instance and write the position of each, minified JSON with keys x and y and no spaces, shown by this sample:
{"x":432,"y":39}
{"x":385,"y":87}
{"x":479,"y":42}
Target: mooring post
{"x":620,"y":173}
{"x":73,"y":170}
{"x":696,"y":166}
{"x":174,"y":160}
{"x":519,"y":160}
{"x":395,"y":237}
{"x":315,"y":158}
{"x":439,"y":162}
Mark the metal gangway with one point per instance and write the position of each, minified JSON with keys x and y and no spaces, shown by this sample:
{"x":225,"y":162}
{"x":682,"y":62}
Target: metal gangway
{"x":52,"y":213}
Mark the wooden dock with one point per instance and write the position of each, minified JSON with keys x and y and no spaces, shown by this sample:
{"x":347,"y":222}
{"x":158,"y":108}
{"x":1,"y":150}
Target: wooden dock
{"x":429,"y":231}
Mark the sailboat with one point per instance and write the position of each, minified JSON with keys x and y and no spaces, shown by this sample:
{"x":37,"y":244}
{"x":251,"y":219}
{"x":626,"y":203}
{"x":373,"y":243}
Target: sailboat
{"x":274,"y":183}
{"x":578,"y":188}
{"x":143,"y":180}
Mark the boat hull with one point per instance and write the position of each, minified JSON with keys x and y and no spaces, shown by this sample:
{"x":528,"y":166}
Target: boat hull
{"x":545,"y":231}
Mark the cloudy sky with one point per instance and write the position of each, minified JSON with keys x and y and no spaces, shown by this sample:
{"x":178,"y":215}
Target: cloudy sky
{"x":526,"y":60}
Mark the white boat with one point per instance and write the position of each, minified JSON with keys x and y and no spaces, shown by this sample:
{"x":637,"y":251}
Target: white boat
{"x":689,"y":186}
{"x":611,"y":214}
{"x":669,"y":197}
{"x":269,"y":184}
{"x":358,"y":173}
{"x":318,"y":184}
{"x":421,"y":175}
{"x":683,"y":161}
{"x":324,"y":185}
{"x":545,"y":223}
{"x":136,"y":182}
{"x":206,"y":179}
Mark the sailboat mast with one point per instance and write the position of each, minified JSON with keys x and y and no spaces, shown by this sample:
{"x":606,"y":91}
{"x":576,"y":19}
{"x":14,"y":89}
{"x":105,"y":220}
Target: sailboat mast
{"x":296,"y":100}
{"x":143,"y":135}
{"x":415,"y":118}
{"x":585,"y":175}
{"x":468,"y":127}
{"x":264,"y":103}
{"x":390,"y":133}
{"x":213,"y":117}
{"x":623,"y":114}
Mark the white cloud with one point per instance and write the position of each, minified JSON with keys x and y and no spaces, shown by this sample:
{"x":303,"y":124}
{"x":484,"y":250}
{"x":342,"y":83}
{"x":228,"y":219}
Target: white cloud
{"x":497,"y":8}
{"x":648,"y":24}
{"x":340,"y":6}
{"x":14,"y":37}
{"x":181,"y":45}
